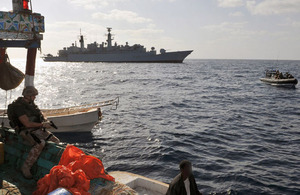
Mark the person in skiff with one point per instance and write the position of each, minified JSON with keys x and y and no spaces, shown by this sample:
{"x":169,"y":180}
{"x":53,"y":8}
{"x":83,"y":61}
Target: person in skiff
{"x":184,"y":183}
{"x":29,"y":122}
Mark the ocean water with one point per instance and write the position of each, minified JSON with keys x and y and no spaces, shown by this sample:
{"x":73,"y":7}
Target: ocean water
{"x":241,"y":135}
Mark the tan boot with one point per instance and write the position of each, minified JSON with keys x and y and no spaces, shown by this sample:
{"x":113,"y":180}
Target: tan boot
{"x":26,"y":171}
{"x":33,"y":155}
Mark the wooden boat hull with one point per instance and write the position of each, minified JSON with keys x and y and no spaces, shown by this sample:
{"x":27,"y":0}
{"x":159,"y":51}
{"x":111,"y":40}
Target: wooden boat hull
{"x":15,"y":153}
{"x":77,"y":122}
{"x":141,"y":184}
{"x":72,"y":119}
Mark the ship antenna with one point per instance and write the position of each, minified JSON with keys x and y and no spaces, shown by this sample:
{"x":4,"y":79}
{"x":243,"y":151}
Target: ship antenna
{"x":109,"y":39}
{"x":81,"y":40}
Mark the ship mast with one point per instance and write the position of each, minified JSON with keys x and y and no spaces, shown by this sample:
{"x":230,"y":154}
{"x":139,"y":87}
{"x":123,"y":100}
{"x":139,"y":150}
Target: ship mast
{"x":109,"y":39}
{"x":81,"y":41}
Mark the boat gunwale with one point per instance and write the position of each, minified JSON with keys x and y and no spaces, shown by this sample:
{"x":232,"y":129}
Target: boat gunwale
{"x":280,"y":81}
{"x":73,"y":110}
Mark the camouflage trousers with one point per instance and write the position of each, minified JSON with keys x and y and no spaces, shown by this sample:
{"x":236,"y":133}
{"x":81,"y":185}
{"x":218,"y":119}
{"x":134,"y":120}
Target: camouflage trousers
{"x":37,"y":144}
{"x":40,"y":134}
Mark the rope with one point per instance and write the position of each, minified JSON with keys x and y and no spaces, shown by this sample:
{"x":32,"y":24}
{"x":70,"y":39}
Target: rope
{"x":2,"y":123}
{"x":10,"y":95}
{"x":31,"y":5}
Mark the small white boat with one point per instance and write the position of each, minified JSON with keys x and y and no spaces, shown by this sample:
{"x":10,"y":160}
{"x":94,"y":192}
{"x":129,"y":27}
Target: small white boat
{"x":81,"y":121}
{"x":72,"y":119}
{"x":142,"y":185}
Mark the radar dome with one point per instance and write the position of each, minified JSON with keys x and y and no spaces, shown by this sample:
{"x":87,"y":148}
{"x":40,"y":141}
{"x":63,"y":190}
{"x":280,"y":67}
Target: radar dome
{"x":162,"y":51}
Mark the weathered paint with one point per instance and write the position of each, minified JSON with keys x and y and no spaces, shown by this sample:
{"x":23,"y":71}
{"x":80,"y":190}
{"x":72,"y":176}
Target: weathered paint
{"x":20,"y":25}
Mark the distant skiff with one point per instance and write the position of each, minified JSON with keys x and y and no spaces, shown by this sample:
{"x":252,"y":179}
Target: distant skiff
{"x":72,"y":119}
{"x":274,"y":77}
{"x":272,"y":81}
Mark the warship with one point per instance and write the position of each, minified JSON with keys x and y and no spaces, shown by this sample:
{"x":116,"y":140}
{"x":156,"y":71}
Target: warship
{"x":109,"y":52}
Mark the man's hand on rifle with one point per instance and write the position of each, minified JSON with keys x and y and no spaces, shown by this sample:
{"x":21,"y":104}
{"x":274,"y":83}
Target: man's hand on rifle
{"x":46,"y":124}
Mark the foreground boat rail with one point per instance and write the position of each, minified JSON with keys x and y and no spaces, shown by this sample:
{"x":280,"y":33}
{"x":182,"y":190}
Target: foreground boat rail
{"x":83,"y":108}
{"x":72,"y":119}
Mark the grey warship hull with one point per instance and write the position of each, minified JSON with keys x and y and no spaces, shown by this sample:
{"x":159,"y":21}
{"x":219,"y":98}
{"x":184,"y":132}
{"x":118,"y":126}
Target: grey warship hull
{"x":109,"y":52}
{"x":168,"y":57}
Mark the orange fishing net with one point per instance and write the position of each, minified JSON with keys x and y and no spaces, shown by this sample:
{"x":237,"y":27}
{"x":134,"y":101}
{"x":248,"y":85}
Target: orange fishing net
{"x":74,"y":172}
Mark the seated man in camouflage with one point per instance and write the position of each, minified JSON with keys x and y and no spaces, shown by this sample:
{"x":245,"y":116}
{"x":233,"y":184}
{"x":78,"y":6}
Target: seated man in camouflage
{"x":29,"y":122}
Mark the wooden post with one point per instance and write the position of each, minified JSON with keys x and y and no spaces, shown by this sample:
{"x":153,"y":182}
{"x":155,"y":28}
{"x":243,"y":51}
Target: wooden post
{"x":30,"y":67}
{"x":2,"y":55}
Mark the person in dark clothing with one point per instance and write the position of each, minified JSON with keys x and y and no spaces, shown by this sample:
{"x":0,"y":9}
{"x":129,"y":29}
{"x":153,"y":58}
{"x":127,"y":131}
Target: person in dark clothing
{"x":29,"y":122}
{"x":184,"y":183}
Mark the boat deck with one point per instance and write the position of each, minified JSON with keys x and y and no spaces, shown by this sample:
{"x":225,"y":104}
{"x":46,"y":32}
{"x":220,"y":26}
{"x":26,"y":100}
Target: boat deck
{"x":15,"y":152}
{"x":141,"y":184}
{"x":14,"y":183}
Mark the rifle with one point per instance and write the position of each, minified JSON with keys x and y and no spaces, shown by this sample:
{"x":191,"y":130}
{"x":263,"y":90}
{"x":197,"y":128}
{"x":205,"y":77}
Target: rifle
{"x":53,"y":125}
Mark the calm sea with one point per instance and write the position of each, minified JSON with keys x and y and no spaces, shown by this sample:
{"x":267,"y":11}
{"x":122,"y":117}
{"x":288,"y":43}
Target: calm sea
{"x":241,"y":135}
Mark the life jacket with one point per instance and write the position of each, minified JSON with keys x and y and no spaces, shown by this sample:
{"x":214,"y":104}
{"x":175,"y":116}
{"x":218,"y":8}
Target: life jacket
{"x":32,"y":111}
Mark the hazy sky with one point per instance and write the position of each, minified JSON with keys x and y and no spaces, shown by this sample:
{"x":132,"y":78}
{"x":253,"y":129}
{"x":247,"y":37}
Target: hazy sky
{"x":218,"y":29}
